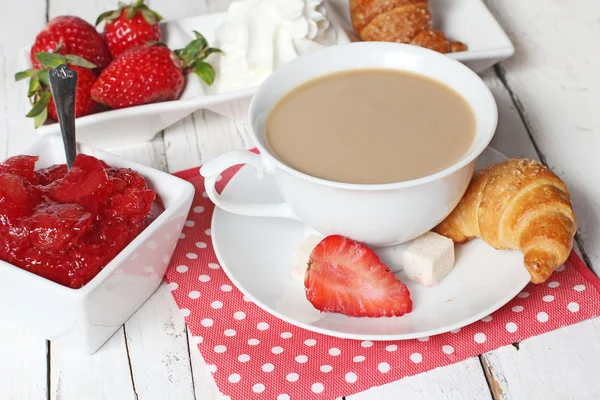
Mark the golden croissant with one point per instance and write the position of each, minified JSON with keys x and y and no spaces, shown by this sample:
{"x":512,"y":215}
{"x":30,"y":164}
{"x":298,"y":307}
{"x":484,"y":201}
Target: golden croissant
{"x":517,"y":204}
{"x":402,"y":21}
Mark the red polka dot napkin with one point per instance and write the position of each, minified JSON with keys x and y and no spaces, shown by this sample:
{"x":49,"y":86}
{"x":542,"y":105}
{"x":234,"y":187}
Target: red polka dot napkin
{"x":253,"y":355}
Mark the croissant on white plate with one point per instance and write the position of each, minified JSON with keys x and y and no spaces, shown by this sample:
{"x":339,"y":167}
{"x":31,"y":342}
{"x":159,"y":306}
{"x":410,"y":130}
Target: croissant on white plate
{"x":517,"y":204}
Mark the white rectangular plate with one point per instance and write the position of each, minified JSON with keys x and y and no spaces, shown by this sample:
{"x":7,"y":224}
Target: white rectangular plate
{"x":468,"y":21}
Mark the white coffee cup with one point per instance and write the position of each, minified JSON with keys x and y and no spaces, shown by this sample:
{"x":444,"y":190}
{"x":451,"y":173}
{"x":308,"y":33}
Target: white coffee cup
{"x":375,"y":214}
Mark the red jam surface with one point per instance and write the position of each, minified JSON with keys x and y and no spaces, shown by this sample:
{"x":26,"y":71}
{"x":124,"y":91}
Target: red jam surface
{"x":66,"y":226}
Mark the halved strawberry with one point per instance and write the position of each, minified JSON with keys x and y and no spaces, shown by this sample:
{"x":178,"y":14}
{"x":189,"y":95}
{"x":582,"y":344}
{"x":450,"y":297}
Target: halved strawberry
{"x":347,"y":277}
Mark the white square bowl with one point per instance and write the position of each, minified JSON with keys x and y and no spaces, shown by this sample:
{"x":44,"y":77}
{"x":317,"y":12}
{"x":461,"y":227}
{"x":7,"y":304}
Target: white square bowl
{"x":86,"y":318}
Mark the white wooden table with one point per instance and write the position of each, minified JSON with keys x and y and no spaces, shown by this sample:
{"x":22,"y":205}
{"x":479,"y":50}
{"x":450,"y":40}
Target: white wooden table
{"x":548,"y":97}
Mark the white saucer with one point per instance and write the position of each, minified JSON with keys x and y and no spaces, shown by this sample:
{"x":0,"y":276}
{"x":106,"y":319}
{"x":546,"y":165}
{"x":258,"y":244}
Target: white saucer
{"x":256,"y":254}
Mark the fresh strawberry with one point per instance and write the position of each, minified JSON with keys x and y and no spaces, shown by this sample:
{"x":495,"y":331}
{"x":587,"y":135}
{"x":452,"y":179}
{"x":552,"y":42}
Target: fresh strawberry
{"x":152,"y":73}
{"x":71,"y":35}
{"x":129,"y":26}
{"x":347,"y":277}
{"x":39,"y":92}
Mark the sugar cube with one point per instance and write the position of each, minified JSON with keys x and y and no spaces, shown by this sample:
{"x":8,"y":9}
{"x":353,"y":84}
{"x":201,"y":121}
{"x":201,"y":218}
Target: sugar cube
{"x":429,"y":258}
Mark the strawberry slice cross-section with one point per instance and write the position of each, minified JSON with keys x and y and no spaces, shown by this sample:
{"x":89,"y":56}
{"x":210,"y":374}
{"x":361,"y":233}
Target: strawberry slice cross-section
{"x":347,"y":277}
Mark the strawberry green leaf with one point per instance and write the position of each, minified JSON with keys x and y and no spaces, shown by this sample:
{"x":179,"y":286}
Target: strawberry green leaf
{"x":196,"y":46}
{"x":206,"y":72}
{"x":157,"y":16}
{"x":40,"y":105}
{"x":43,"y":77}
{"x":34,"y":86}
{"x":51,"y":60}
{"x":25,"y":74}
{"x":199,"y":36}
{"x":150,"y":16}
{"x":131,"y":13}
{"x":108,"y":16}
{"x":39,"y":119}
{"x":59,"y":46}
{"x":80,"y":61}
{"x":210,"y":51}
{"x":192,"y":52}
{"x":192,"y":57}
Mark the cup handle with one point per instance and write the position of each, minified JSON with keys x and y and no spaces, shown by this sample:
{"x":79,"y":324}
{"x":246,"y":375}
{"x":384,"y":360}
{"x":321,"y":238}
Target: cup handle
{"x":212,"y":170}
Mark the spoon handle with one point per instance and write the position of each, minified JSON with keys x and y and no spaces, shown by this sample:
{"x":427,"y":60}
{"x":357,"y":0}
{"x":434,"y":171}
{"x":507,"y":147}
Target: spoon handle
{"x":63,"y":84}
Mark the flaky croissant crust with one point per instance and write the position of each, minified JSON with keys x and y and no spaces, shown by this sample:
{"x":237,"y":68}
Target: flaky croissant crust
{"x":517,"y":204}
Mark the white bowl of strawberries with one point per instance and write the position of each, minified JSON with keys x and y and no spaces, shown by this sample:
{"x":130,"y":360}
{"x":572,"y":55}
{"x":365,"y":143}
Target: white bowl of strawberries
{"x":129,"y":75}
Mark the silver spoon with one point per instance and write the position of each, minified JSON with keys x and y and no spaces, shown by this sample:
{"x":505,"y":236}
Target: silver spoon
{"x":63,"y":85}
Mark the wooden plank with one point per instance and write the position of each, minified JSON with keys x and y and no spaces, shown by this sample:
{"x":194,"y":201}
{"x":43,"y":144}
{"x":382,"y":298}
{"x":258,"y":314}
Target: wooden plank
{"x":151,"y":154}
{"x":16,"y":131}
{"x":534,"y":370}
{"x":104,"y":375}
{"x":204,"y":385}
{"x":458,"y":381}
{"x":181,"y":145}
{"x":173,"y":9}
{"x":23,"y":358}
{"x":511,"y":139}
{"x":158,"y":349}
{"x":160,"y":355}
{"x":88,"y":10}
{"x":531,"y":369}
{"x":554,"y":79}
{"x":23,"y":372}
{"x":201,"y":137}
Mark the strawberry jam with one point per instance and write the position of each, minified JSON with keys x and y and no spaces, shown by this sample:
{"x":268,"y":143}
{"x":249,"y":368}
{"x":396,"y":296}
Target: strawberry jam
{"x":67,"y":225}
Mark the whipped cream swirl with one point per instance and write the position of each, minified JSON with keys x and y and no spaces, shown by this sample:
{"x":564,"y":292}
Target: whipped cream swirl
{"x":260,"y":35}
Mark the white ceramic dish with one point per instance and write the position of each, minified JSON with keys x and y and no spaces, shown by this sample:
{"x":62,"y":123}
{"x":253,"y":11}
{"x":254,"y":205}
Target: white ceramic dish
{"x":465,"y":20}
{"x":141,"y":123}
{"x":85,"y":318}
{"x":379,"y":214}
{"x":256,"y":254}
{"x":468,"y":21}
